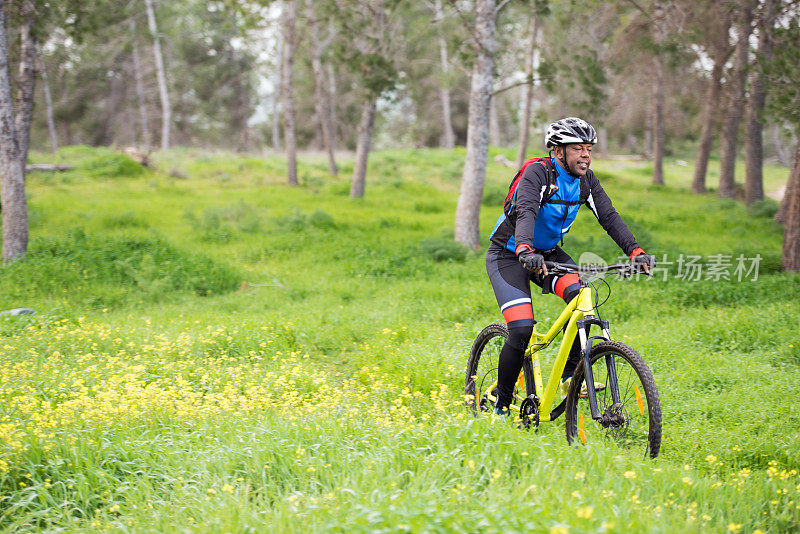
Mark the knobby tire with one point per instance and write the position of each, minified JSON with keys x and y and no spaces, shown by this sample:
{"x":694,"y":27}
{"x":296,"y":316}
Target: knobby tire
{"x":632,"y":372}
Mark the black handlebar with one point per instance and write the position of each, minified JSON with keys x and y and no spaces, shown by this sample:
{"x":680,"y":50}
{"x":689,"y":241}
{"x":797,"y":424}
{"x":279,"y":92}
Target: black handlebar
{"x":626,"y":269}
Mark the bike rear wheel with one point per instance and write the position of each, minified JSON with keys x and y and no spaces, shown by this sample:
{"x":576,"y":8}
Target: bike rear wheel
{"x":482,"y":370}
{"x":635,"y":421}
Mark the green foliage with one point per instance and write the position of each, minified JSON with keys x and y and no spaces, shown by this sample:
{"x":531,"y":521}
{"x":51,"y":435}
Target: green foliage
{"x":321,"y":219}
{"x":367,"y":49}
{"x":763,"y":208}
{"x":297,"y":221}
{"x":494,"y":195}
{"x":126,"y":219}
{"x":112,"y":165}
{"x":428,"y":207}
{"x":294,"y":221}
{"x":220,"y":224}
{"x":101,"y":271}
{"x":782,"y":80}
{"x":443,"y":249}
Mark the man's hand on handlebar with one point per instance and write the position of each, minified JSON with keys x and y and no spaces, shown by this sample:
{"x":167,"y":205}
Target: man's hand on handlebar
{"x":646,"y":262}
{"x":533,"y":262}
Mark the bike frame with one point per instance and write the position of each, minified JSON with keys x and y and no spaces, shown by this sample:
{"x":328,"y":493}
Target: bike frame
{"x":578,"y":316}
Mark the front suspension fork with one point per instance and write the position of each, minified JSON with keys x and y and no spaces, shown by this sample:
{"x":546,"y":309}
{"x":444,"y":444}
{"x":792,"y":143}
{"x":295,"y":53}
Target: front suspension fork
{"x":587,"y":343}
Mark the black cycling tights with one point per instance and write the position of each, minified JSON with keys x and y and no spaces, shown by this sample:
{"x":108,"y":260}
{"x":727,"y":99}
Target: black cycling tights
{"x":511,"y":283}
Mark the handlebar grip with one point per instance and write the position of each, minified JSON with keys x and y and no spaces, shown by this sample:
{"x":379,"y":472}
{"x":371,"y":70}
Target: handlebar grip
{"x":556,"y":265}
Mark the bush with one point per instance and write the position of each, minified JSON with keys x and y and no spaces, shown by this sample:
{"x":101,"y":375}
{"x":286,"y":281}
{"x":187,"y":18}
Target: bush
{"x":126,"y":219}
{"x":297,"y":221}
{"x":321,"y":219}
{"x":219,"y":224}
{"x":102,"y":271}
{"x":494,"y":196}
{"x":443,"y":249}
{"x":766,"y":208}
{"x":293,"y":221}
{"x":428,"y":207}
{"x":112,"y":166}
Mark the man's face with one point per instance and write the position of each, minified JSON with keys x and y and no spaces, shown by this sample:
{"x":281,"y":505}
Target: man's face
{"x":578,"y":157}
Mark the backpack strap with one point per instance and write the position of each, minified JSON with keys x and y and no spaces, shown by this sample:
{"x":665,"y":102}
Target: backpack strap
{"x":566,"y":202}
{"x":551,"y":173}
{"x":585,"y":190}
{"x":582,"y":198}
{"x":550,"y":189}
{"x":512,"y":188}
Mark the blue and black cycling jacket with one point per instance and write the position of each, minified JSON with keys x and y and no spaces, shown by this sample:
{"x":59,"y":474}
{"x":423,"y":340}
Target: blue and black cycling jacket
{"x":542,"y":227}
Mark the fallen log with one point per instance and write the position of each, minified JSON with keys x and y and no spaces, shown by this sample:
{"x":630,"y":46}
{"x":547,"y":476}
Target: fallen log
{"x":48,"y":168}
{"x":142,"y":158}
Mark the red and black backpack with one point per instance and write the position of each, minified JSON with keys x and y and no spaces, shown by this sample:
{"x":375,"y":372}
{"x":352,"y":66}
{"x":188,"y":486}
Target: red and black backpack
{"x":550,"y":190}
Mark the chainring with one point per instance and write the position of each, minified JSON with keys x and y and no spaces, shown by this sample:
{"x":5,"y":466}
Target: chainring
{"x":529,"y":412}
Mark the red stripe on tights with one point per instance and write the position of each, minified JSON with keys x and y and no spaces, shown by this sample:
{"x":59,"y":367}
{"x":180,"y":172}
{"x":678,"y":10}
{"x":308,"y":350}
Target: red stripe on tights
{"x":564,"y":282}
{"x":516,"y":313}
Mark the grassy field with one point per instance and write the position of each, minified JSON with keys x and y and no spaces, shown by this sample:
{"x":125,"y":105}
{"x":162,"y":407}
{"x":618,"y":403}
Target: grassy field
{"x":216,"y":351}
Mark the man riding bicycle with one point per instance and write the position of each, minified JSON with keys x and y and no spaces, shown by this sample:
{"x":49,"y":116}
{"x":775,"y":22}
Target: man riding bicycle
{"x":527,"y":234}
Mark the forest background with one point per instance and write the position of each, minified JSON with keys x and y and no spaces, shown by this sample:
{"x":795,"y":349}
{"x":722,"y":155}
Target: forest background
{"x":654,"y":78}
{"x":216,"y":192}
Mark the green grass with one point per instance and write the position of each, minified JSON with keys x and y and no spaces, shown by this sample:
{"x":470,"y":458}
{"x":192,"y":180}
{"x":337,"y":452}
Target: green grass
{"x":216,"y":351}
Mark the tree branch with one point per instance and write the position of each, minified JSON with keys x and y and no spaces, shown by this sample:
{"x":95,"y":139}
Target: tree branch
{"x":500,"y":7}
{"x":467,"y":24}
{"x":526,"y":81}
{"x":640,"y":8}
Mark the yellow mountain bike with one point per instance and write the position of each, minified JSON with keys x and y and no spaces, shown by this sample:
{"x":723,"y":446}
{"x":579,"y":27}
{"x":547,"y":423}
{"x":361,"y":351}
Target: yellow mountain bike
{"x":612,"y":394}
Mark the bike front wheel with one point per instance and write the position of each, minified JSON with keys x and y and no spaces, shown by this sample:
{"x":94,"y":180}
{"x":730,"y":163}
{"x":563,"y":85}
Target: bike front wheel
{"x":633,"y":419}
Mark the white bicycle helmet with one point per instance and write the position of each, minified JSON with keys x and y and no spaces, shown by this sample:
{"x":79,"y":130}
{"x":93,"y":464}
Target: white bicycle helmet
{"x":569,"y":130}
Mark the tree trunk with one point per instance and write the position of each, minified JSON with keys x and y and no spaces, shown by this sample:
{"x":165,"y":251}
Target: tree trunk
{"x":494,"y":123}
{"x":721,"y":53}
{"x":332,"y":104}
{"x":287,"y":77}
{"x":730,"y":129}
{"x":754,"y":139}
{"x":26,"y":81}
{"x":137,"y":76}
{"x":602,"y":141}
{"x":791,"y":232}
{"x":166,"y":109}
{"x":469,"y":199}
{"x":115,"y":95}
{"x":658,"y":96}
{"x":48,"y":102}
{"x":362,"y":148}
{"x":789,"y":192}
{"x":276,"y":101}
{"x":320,"y":98}
{"x":780,"y":151}
{"x":277,"y":95}
{"x":241,"y":110}
{"x":448,"y":137}
{"x":658,"y":123}
{"x":12,"y":170}
{"x":527,"y":100}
